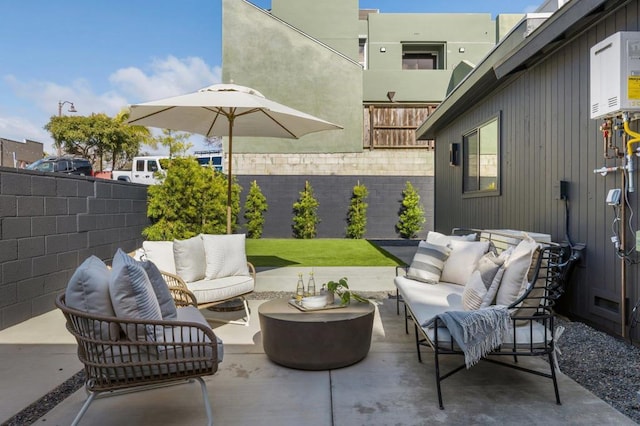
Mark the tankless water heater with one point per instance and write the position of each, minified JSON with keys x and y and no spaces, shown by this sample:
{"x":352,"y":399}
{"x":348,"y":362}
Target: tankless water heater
{"x":615,"y":75}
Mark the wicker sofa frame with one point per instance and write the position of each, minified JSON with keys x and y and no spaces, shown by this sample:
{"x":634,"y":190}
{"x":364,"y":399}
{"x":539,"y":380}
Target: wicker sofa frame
{"x":115,"y":365}
{"x":546,"y":269}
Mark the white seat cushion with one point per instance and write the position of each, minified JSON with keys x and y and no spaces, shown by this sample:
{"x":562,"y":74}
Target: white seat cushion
{"x":428,"y":300}
{"x":525,"y":337}
{"x":207,"y":291}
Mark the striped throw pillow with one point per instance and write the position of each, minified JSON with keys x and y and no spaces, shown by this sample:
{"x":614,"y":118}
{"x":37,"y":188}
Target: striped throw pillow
{"x":428,"y":262}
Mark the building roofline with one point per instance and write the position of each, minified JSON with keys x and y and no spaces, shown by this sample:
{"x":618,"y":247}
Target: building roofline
{"x":299,"y":31}
{"x":517,"y":51}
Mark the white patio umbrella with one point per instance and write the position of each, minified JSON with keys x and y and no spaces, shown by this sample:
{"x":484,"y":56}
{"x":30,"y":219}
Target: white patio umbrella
{"x":227,"y":110}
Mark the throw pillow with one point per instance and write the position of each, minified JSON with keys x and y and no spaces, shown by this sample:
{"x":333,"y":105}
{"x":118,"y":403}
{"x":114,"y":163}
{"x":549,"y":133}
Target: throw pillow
{"x":88,"y":291}
{"x":444,"y":240}
{"x":132,"y":297}
{"x":462,"y":260}
{"x":515,"y":274}
{"x":480,"y":281}
{"x":161,"y":289}
{"x":225,"y":255}
{"x":428,"y":262}
{"x":160,"y":253}
{"x":490,"y":297}
{"x":189,"y":257}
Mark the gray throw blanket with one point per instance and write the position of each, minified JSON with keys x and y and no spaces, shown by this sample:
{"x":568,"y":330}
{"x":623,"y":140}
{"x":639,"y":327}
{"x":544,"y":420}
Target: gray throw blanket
{"x":476,"y":332}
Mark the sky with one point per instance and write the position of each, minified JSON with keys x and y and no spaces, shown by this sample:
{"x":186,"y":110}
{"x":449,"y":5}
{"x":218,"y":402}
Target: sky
{"x":105,"y":55}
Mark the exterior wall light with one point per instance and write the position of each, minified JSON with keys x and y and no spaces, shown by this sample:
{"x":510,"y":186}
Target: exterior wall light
{"x":383,"y":49}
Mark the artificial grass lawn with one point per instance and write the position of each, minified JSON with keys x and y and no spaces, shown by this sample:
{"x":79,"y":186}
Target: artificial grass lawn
{"x":279,"y":252}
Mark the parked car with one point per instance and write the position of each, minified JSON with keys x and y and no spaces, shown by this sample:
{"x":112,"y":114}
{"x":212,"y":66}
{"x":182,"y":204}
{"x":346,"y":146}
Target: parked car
{"x":69,"y":165}
{"x":143,"y":170}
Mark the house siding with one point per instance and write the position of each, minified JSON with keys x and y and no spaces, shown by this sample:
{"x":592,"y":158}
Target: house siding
{"x":547,"y":136}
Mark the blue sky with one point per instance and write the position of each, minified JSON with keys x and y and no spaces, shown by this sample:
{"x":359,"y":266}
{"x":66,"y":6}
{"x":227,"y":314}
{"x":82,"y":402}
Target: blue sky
{"x":104,"y":55}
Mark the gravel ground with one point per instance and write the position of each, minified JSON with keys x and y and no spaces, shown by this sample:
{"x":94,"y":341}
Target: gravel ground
{"x":607,"y":366}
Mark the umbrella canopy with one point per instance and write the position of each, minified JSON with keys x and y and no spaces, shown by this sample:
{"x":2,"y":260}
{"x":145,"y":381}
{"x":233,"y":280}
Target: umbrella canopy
{"x":227,"y":110}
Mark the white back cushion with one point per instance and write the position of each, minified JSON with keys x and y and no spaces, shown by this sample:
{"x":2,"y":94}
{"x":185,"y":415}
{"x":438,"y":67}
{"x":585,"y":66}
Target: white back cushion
{"x":434,"y":237}
{"x":189,"y":257}
{"x":515,"y":273}
{"x":160,"y":253}
{"x":462,"y":260}
{"x":225,"y":255}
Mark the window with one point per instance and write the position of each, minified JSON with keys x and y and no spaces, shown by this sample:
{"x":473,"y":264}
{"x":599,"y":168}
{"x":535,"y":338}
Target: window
{"x":481,"y":165}
{"x":152,"y":166}
{"x":362,"y":52}
{"x":422,"y":56}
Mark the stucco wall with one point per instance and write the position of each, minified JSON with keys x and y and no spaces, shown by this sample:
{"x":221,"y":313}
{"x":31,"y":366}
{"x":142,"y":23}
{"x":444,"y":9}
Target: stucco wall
{"x":285,"y":65}
{"x":49,"y":224}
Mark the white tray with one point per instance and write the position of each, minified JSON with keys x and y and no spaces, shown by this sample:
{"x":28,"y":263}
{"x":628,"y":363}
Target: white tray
{"x":298,"y":305}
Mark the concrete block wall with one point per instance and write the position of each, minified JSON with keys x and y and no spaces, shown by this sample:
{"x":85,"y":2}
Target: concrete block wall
{"x":49,"y":224}
{"x":334,"y":194}
{"x":377,"y":162}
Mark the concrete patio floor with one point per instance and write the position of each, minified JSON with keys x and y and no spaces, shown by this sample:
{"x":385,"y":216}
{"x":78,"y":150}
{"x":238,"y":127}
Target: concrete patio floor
{"x":389,"y":387}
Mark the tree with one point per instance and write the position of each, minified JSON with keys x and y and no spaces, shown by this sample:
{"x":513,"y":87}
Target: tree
{"x":176,"y":142}
{"x":136,"y":136}
{"x":305,"y":212}
{"x":411,"y":213}
{"x":254,"y":209}
{"x":97,"y":136}
{"x":357,"y":215}
{"x":191,"y":200}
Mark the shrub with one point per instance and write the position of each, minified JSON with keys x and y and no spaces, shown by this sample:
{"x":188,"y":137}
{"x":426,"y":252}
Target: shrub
{"x":254,"y":209}
{"x":357,"y":215}
{"x":305,"y":216}
{"x":191,"y":200}
{"x":411,"y":213}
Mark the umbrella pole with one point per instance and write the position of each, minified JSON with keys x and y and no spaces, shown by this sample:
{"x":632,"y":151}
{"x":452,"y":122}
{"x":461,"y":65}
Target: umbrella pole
{"x":230,"y":118}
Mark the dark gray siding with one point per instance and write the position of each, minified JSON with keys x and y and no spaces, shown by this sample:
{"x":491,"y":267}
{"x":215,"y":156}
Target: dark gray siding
{"x":547,"y":136}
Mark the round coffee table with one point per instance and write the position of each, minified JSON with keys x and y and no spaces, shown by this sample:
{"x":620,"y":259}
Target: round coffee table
{"x":318,"y":340}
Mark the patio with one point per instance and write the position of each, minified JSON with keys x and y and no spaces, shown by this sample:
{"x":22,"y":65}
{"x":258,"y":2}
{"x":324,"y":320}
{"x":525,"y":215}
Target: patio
{"x":388,"y":387}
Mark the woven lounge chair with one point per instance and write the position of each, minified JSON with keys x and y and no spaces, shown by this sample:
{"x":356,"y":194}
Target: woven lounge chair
{"x":187,"y":351}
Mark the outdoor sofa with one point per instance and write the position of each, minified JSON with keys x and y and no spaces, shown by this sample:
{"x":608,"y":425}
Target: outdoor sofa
{"x":214,"y":268}
{"x":478,"y":275}
{"x":132,"y":333}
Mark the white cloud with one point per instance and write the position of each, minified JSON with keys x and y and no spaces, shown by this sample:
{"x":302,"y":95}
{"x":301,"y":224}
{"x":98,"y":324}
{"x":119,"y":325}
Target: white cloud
{"x":167,"y":77}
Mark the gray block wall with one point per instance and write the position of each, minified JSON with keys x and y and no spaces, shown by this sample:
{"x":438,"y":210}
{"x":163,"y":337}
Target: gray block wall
{"x":334,"y":194}
{"x":49,"y":224}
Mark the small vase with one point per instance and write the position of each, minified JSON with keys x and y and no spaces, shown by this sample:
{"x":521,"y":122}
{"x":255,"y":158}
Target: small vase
{"x":330,"y":298}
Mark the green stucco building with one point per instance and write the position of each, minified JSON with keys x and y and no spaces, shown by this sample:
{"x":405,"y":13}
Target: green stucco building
{"x":378,"y":75}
